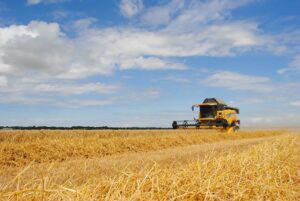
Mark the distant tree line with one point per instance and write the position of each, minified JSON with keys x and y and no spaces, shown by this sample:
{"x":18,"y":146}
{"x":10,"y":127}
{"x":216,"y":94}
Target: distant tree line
{"x":77,"y":128}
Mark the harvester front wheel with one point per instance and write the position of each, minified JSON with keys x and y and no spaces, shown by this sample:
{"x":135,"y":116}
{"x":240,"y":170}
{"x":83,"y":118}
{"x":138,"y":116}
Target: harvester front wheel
{"x":174,"y":125}
{"x":236,"y":126}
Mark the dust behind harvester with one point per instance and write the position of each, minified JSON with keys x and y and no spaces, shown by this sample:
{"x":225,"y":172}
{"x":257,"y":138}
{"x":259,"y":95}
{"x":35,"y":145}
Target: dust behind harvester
{"x":213,"y":114}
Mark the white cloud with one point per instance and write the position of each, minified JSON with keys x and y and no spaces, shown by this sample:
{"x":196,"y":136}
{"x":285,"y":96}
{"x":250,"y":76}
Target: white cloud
{"x":143,"y":94}
{"x":237,"y":81}
{"x":260,"y":119}
{"x":162,"y":14}
{"x":84,"y":102}
{"x":189,"y":15}
{"x":152,"y":93}
{"x":295,"y":103}
{"x":129,"y":8}
{"x":21,"y":99}
{"x":176,"y":79}
{"x":68,"y":89}
{"x":223,"y":40}
{"x":182,"y":13}
{"x":84,"y":23}
{"x":34,"y":2}
{"x":290,"y":40}
{"x":56,"y":93}
{"x":41,"y":49}
{"x":294,"y":66}
{"x":150,"y":63}
{"x":60,"y":14}
{"x":45,"y":87}
{"x":3,"y":81}
{"x":37,"y":100}
{"x":271,"y":121}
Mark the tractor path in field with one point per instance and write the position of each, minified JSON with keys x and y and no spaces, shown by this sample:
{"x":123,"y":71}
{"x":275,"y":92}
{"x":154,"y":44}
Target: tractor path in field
{"x":174,"y":155}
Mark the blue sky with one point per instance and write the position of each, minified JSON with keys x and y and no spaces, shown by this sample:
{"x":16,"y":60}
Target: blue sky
{"x":145,"y":62}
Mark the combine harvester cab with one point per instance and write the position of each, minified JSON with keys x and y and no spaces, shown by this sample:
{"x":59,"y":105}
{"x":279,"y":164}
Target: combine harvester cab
{"x":213,"y":114}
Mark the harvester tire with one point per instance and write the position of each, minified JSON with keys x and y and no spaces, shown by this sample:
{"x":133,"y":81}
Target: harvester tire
{"x":174,"y":125}
{"x":236,"y":127}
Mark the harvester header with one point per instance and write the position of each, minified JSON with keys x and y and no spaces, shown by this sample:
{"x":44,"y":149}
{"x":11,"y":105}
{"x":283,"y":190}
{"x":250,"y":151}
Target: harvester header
{"x":213,"y":114}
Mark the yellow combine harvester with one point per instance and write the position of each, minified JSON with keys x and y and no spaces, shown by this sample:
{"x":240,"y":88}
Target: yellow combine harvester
{"x":213,"y":114}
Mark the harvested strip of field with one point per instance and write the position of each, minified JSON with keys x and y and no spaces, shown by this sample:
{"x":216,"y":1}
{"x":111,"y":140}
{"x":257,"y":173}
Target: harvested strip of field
{"x":247,"y":169}
{"x":19,"y":148}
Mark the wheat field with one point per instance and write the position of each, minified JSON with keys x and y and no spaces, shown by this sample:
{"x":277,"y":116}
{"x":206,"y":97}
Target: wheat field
{"x":150,"y":165}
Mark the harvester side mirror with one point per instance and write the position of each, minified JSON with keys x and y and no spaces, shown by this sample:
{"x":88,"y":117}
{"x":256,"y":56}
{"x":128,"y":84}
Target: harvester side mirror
{"x":192,"y":108}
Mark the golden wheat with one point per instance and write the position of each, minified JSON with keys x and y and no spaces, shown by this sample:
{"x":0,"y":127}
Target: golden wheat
{"x":19,"y":148}
{"x":149,"y":165}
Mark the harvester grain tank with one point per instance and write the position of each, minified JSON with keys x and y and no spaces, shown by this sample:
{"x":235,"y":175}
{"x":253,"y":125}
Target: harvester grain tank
{"x":213,"y":114}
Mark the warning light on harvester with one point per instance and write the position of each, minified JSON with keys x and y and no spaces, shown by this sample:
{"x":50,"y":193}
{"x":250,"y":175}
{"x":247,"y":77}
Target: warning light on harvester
{"x":213,"y":114}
